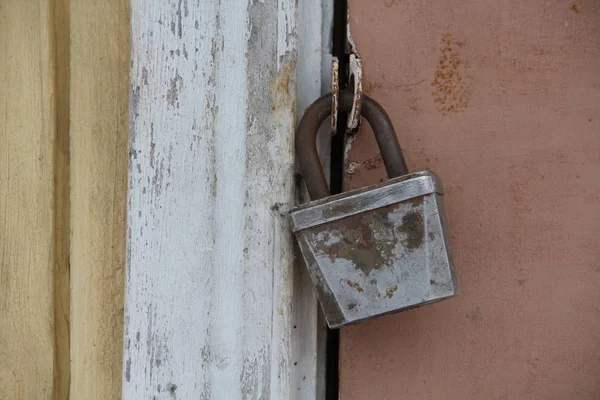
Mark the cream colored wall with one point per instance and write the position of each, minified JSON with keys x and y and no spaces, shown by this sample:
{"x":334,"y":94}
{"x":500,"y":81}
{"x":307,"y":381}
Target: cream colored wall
{"x":63,"y":164}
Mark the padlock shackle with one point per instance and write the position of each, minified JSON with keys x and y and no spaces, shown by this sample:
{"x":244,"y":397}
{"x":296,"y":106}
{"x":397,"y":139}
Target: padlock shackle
{"x":306,"y":137}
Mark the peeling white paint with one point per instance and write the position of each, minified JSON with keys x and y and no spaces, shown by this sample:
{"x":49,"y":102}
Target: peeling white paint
{"x":214,"y":307}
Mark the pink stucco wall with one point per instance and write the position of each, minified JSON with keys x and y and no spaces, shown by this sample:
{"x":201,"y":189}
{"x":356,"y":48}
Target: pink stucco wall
{"x":502,"y":99}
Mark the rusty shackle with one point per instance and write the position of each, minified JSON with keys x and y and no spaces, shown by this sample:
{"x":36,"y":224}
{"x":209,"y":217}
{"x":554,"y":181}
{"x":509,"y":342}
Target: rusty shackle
{"x":306,"y":136}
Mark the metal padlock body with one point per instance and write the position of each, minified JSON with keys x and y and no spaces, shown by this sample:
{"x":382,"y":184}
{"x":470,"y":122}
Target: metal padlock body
{"x":378,"y":249}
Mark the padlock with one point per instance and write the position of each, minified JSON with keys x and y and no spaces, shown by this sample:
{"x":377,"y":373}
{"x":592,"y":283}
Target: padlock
{"x":378,"y":249}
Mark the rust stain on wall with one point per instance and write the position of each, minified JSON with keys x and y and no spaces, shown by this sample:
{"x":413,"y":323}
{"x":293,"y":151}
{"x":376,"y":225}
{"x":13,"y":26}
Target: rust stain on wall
{"x":367,"y":164}
{"x":452,"y":85}
{"x":574,"y":8}
{"x":281,"y":91}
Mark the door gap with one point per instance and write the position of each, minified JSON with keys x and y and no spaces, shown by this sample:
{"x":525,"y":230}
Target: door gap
{"x":339,"y":45}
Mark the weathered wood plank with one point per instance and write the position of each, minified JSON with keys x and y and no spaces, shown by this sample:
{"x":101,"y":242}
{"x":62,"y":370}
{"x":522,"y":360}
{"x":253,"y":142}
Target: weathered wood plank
{"x":27,"y":128}
{"x":37,"y":216}
{"x":209,"y":281}
{"x":313,"y":71}
{"x":98,"y":171}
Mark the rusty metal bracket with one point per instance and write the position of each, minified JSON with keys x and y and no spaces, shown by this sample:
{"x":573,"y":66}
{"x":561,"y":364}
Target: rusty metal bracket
{"x":356,"y":86}
{"x":335,"y":92}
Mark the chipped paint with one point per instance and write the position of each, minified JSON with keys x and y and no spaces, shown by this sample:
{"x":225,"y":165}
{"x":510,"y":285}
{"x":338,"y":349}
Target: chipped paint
{"x":356,"y":85}
{"x":356,"y":240}
{"x":373,"y":262}
{"x":355,"y":285}
{"x":209,"y":263}
{"x":335,"y":93}
{"x":414,"y":230}
{"x":356,"y":81}
{"x":367,"y":164}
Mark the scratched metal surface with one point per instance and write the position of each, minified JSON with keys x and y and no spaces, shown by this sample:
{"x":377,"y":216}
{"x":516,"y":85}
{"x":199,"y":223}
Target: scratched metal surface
{"x":366,"y":198}
{"x":380,"y":261}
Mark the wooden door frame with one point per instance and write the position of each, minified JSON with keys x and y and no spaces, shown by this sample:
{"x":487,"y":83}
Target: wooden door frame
{"x":216,"y":307}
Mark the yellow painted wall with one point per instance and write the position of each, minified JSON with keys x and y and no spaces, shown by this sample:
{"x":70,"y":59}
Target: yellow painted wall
{"x":63,"y":167}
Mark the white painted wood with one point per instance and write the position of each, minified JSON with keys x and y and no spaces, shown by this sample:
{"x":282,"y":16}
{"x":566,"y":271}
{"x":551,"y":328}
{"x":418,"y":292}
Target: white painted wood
{"x":212,"y":295}
{"x":314,"y":66}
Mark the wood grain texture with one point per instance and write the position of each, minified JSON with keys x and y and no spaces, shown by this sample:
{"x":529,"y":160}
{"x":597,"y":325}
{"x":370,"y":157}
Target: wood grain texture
{"x":98,"y":181}
{"x":209,"y":280}
{"x":45,"y":353}
{"x":516,"y":142}
{"x":27,"y":129}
